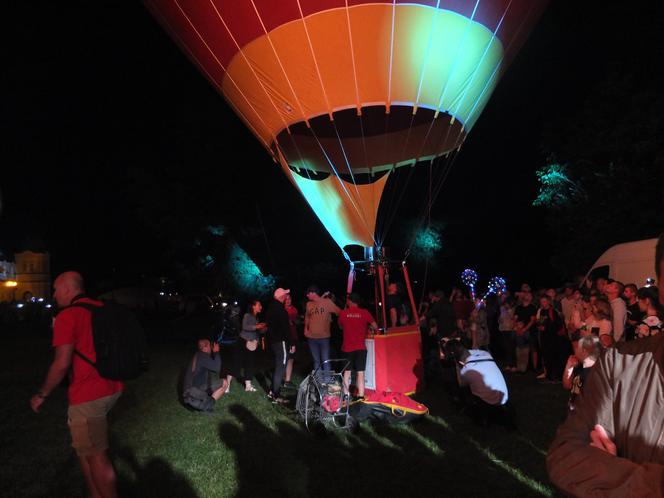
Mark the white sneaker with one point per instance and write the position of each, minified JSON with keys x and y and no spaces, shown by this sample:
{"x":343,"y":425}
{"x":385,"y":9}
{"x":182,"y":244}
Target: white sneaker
{"x":228,"y":388}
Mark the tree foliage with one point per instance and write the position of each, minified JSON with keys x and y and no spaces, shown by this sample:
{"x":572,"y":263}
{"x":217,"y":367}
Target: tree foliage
{"x":557,"y":189}
{"x":612,"y":149}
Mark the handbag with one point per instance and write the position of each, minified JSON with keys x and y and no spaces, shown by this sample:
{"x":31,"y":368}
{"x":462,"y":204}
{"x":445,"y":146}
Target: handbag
{"x":198,"y":399}
{"x":252,"y":344}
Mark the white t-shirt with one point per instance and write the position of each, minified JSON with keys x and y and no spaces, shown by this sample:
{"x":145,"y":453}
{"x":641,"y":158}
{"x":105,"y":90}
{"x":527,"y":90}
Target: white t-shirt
{"x":567,"y":304}
{"x":619,"y":309}
{"x":484,"y":378}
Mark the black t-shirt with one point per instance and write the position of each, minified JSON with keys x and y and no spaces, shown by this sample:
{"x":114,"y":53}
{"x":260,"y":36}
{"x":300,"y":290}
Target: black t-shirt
{"x":634,"y":313}
{"x":393,"y":301}
{"x":441,"y":311}
{"x":579,"y":375}
{"x":524,"y":314}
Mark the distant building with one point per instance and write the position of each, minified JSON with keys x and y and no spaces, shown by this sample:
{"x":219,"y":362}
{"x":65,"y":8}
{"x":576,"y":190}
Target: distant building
{"x":7,"y":281}
{"x":29,"y":276}
{"x":7,"y":270}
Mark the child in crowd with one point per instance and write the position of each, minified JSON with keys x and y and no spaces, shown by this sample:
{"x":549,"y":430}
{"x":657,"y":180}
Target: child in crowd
{"x":578,"y":366}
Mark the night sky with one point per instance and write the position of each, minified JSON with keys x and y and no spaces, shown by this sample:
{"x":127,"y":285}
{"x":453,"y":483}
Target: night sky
{"x":100,"y":109}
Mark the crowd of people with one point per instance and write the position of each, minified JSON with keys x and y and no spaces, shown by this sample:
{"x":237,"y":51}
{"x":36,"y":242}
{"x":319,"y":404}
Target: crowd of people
{"x":557,"y":333}
{"x":611,"y":442}
{"x":602,"y":341}
{"x":281,"y":330}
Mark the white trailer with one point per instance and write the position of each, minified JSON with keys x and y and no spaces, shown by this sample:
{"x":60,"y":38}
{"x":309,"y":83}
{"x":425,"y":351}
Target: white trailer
{"x":630,"y":262}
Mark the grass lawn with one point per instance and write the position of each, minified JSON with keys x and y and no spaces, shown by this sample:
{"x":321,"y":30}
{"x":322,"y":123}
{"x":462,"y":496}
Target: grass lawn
{"x":251,"y":448}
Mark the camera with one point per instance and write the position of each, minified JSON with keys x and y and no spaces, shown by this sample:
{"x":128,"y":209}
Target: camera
{"x":449,"y":349}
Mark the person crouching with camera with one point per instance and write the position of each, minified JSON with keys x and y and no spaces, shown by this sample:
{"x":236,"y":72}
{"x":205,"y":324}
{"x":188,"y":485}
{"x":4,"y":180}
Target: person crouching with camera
{"x":202,"y":386}
{"x":482,"y":387}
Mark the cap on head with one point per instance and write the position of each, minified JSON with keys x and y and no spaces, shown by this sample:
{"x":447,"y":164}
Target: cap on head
{"x":280,"y":293}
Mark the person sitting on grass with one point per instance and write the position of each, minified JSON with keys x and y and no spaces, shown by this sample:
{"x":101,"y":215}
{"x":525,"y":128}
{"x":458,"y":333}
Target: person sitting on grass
{"x":202,"y":385}
{"x":355,"y":322}
{"x":586,"y":353}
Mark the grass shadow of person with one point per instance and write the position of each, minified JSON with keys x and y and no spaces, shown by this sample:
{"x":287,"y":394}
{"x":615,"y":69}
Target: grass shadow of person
{"x":155,"y":478}
{"x":388,"y":460}
{"x":496,"y":458}
{"x":264,"y":459}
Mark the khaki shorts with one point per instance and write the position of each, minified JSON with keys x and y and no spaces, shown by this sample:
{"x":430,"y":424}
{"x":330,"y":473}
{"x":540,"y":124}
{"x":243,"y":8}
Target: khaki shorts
{"x":88,"y":425}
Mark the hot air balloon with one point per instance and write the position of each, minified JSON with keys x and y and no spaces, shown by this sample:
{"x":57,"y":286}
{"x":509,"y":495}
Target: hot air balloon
{"x":342,"y":93}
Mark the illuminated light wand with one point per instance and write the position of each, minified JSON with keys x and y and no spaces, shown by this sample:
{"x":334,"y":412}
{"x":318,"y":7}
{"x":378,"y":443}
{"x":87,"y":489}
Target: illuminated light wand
{"x":469,"y":278}
{"x":497,"y":285}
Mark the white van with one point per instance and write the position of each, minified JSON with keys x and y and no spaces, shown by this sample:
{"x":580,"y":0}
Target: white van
{"x":630,"y":263}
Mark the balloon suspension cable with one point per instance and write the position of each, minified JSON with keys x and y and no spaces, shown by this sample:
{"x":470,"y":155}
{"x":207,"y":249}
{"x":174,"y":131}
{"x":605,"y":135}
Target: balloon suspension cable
{"x":411,"y":298}
{"x":458,"y":141}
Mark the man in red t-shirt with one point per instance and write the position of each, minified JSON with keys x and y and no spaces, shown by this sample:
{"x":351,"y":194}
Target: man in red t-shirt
{"x":354,"y":322}
{"x":90,"y":395}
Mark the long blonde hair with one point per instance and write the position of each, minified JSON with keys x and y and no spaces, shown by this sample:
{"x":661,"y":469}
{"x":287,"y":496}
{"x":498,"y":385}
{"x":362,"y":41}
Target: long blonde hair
{"x":602,"y":309}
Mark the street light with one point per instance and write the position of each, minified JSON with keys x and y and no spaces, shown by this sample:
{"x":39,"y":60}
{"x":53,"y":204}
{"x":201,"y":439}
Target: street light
{"x":12,"y":284}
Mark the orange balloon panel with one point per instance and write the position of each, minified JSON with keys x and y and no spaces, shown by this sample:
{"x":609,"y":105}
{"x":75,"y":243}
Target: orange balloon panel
{"x":351,"y":87}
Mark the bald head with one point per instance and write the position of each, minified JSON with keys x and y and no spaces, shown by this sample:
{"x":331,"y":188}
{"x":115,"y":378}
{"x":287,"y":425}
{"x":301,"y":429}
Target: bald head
{"x":67,"y":286}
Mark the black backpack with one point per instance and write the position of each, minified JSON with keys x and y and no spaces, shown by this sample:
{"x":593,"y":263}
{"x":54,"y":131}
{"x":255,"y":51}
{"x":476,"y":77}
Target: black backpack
{"x":119,"y":341}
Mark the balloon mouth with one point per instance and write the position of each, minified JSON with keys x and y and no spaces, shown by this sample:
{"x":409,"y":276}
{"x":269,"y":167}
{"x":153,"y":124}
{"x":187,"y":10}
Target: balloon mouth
{"x":362,"y":148}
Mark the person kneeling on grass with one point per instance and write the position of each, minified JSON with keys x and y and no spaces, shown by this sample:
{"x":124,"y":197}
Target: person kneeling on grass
{"x":477,"y":371}
{"x":202,"y":385}
{"x":354,"y":322}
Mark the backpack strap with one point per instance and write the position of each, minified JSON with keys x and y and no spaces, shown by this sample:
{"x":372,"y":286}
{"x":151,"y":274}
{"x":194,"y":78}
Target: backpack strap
{"x":479,"y":361}
{"x":84,"y":358}
{"x":91,"y":308}
{"x":87,"y":306}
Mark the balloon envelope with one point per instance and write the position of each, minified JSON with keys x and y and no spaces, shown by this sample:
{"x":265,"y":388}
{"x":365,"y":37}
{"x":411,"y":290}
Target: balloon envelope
{"x":341,"y":92}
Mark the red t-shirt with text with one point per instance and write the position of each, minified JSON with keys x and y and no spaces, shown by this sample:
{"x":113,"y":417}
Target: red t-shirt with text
{"x":74,"y":326}
{"x":354,"y":322}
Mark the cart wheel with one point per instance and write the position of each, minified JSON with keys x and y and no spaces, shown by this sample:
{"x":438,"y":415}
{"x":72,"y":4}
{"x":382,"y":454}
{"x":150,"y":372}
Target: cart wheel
{"x":311,"y":405}
{"x":351,"y":423}
{"x":345,"y":422}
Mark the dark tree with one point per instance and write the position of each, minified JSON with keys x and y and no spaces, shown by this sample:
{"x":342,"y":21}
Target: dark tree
{"x":612,"y":145}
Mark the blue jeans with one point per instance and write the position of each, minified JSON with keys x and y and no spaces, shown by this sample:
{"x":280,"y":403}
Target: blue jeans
{"x":320,"y":351}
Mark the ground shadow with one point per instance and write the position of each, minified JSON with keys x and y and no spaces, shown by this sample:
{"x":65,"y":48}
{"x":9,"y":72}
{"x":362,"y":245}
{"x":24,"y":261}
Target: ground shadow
{"x":155,"y":478}
{"x":389,"y":460}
